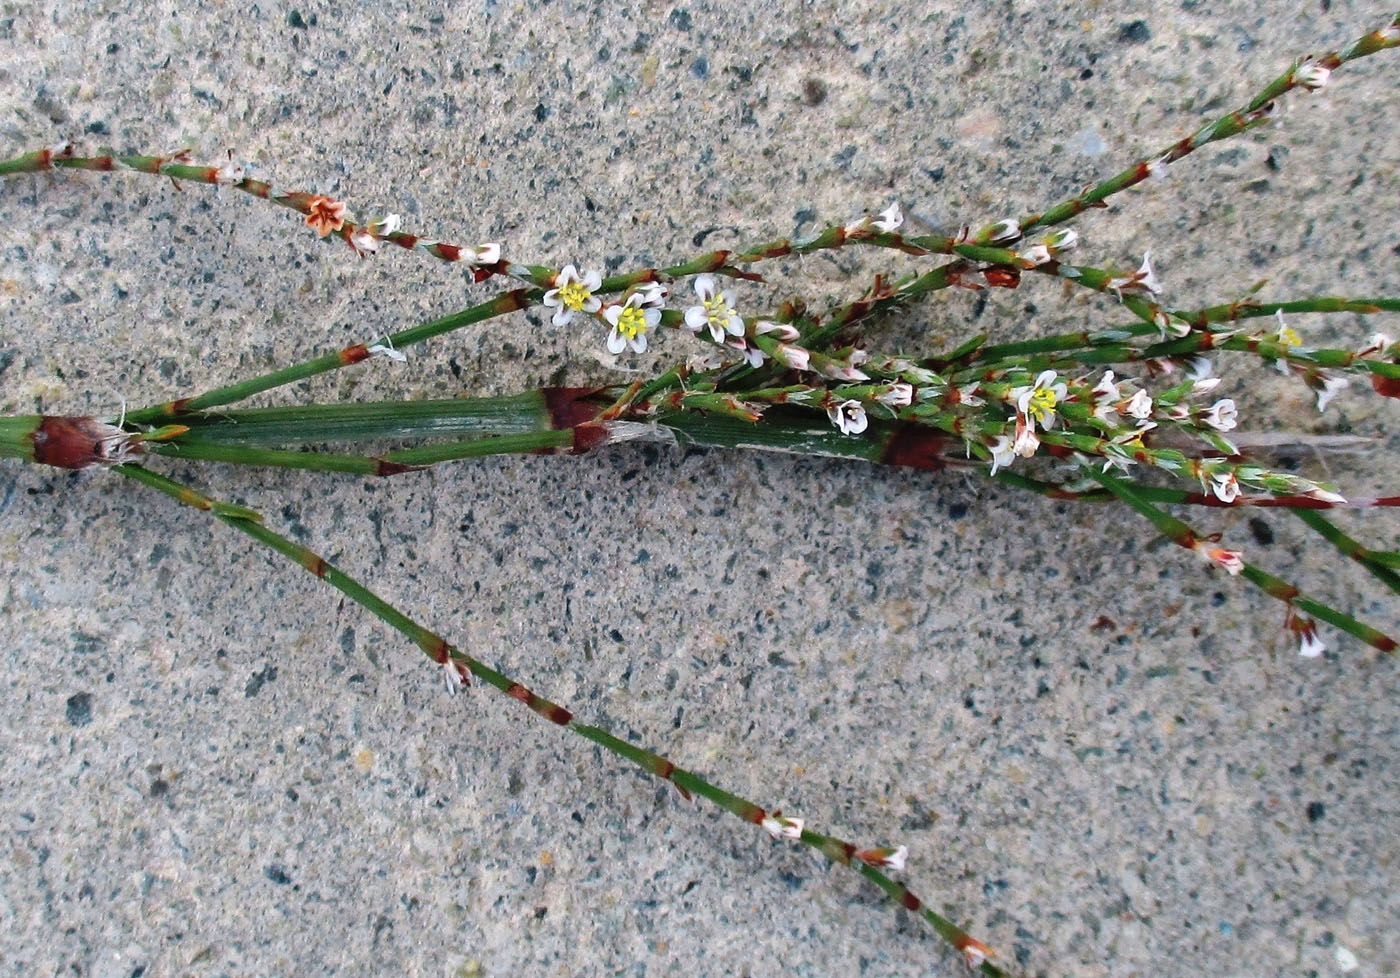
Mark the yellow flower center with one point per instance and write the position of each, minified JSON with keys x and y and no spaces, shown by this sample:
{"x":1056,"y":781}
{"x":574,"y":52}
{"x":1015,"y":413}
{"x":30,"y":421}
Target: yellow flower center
{"x":574,"y":295}
{"x":1042,"y":404}
{"x":1288,"y":337}
{"x":717,"y":312}
{"x":631,"y":323}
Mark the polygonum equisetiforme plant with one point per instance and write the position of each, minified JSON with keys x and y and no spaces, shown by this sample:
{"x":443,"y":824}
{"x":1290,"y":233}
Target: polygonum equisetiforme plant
{"x":1124,"y":412}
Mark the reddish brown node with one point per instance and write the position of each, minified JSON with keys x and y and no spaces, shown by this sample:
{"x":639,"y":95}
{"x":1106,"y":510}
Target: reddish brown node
{"x":916,"y":447}
{"x":1386,"y":386}
{"x":1002,"y":278}
{"x":354,"y":354}
{"x":911,"y":902}
{"x":72,"y":442}
{"x":519,"y":692}
{"x":449,"y":252}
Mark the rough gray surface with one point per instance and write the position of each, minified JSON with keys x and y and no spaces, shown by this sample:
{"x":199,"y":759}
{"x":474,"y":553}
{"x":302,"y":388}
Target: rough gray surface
{"x":212,"y":766}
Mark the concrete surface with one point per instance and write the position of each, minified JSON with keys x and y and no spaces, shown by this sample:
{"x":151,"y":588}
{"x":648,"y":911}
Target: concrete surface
{"x":1105,"y":759}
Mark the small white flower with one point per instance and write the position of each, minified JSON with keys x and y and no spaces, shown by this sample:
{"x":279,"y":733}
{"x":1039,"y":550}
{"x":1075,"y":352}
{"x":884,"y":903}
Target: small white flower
{"x":1003,"y":232}
{"x":1003,"y":452}
{"x":781,"y":827}
{"x":1143,"y":280}
{"x":890,"y":219}
{"x":967,"y":394}
{"x":1309,"y":645}
{"x":1140,"y":405}
{"x":1222,"y":416}
{"x":783,"y":331}
{"x":630,"y":321}
{"x":844,"y":370}
{"x":1065,"y":239}
{"x":1198,"y":367}
{"x":1037,"y":254}
{"x":1312,"y":75}
{"x":1169,"y":325}
{"x":793,"y":356}
{"x":364,"y":242}
{"x":715,"y":311}
{"x":974,"y":952}
{"x":1106,"y":389}
{"x":1330,"y":385}
{"x":1225,"y":486}
{"x":1037,"y":402}
{"x":1204,"y":386}
{"x":897,"y":395}
{"x":388,"y":224}
{"x":1230,"y":560}
{"x":1377,"y":345}
{"x":885,"y":858}
{"x":487,"y":254}
{"x":454,"y":674}
{"x":848,"y":416}
{"x":573,"y":293}
{"x":653,"y":294}
{"x":386,"y":351}
{"x":231,"y":173}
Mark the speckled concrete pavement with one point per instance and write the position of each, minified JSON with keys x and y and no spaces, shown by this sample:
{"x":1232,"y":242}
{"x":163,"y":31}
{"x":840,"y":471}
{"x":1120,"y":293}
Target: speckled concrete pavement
{"x":1105,"y":759}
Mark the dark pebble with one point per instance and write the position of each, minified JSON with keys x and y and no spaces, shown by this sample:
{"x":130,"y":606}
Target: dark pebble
{"x":80,"y":709}
{"x":1135,"y":33}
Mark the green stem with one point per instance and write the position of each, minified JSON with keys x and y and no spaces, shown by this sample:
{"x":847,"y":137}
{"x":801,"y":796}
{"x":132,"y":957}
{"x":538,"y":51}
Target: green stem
{"x":444,"y":654}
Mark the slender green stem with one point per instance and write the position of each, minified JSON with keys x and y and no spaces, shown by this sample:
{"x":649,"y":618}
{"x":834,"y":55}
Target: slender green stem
{"x":1378,"y":564}
{"x":1184,"y":536}
{"x":444,"y":654}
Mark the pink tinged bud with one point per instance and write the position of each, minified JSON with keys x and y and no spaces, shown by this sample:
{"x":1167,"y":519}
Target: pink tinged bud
{"x":794,"y":356}
{"x":783,"y":331}
{"x":1026,"y":441}
{"x":974,"y":952}
{"x":1205,"y":385}
{"x":897,"y":395}
{"x":1326,"y":496}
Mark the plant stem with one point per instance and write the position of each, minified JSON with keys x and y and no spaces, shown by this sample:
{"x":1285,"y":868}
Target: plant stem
{"x":442,"y":653}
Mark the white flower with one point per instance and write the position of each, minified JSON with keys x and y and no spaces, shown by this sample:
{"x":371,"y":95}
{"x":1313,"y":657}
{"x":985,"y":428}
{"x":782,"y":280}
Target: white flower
{"x":454,"y":674}
{"x":231,"y":173}
{"x":386,"y":350}
{"x":1106,"y":389}
{"x":1003,"y":232}
{"x":1309,"y":645}
{"x":781,"y":827}
{"x":654,"y":294}
{"x":793,"y":356}
{"x":1037,"y":403}
{"x":974,"y":952}
{"x":630,"y":321}
{"x":885,"y":858}
{"x":1140,"y":406}
{"x":1312,"y":75}
{"x":890,"y":219}
{"x":388,"y":224}
{"x":487,"y":254}
{"x":715,"y":311}
{"x":1199,"y":367}
{"x":364,"y":242}
{"x":1230,"y":560}
{"x":1377,"y":345}
{"x":1003,"y":452}
{"x":1225,"y":486}
{"x":1037,"y":254}
{"x":1222,"y":415}
{"x":1157,"y":169}
{"x":897,"y":395}
{"x":1204,"y":386}
{"x":1062,"y":240}
{"x":848,"y":416}
{"x":573,"y":293}
{"x":1144,"y":279}
{"x":967,"y":394}
{"x":1169,"y":325}
{"x":783,"y":331}
{"x":1330,"y":385}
